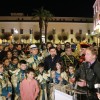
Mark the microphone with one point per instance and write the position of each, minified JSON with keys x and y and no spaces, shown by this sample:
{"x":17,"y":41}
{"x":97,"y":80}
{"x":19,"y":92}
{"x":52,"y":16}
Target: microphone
{"x":97,"y":86}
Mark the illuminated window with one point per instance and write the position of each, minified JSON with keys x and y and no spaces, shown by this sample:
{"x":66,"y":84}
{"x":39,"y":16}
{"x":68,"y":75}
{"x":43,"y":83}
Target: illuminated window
{"x":71,"y":39}
{"x":12,"y":31}
{"x":71,"y":31}
{"x":21,"y":31}
{"x":80,"y":31}
{"x":88,"y":31}
{"x":31,"y":31}
{"x":2,"y":30}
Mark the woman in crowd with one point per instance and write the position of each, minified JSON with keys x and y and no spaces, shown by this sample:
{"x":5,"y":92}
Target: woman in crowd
{"x":59,"y":78}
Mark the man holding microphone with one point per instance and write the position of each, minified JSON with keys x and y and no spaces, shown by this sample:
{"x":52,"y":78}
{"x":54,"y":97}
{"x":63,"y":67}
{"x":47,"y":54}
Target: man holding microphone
{"x":88,"y":74}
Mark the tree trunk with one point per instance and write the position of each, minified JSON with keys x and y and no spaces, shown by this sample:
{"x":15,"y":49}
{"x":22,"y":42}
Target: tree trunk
{"x":41,"y":26}
{"x":41,"y":36}
{"x":46,"y":25}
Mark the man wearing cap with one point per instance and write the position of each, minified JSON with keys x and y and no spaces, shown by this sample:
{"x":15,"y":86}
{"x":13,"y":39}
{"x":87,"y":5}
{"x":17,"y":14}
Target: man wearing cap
{"x":34,"y":59}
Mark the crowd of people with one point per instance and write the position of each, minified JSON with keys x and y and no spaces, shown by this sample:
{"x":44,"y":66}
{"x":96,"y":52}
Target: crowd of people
{"x":30,"y":72}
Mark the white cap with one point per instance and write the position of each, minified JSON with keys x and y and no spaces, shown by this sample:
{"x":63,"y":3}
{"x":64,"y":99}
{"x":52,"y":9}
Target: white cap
{"x":33,"y":46}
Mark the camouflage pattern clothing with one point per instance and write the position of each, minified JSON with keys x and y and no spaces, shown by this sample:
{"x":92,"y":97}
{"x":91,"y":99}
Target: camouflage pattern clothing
{"x":16,"y":78}
{"x":42,"y":78}
{"x":12,"y":68}
{"x":45,"y":53}
{"x":34,"y":61}
{"x":5,"y":86}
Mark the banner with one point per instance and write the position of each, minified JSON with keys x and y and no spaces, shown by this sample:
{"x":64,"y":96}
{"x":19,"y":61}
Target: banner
{"x":62,"y":96}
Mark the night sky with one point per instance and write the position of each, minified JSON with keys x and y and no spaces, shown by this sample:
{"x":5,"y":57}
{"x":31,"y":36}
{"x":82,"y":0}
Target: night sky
{"x":59,"y":8}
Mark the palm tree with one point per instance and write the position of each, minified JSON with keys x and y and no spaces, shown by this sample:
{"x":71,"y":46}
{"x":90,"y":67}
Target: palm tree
{"x":48,"y":16}
{"x":40,"y":14}
{"x":44,"y":16}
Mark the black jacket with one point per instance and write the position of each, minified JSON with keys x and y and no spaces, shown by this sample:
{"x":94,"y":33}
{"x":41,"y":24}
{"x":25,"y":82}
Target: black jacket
{"x":51,"y":63}
{"x":91,"y":74}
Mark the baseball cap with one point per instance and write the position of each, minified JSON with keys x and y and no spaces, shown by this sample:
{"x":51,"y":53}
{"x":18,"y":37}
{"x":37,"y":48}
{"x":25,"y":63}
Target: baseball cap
{"x":33,"y":46}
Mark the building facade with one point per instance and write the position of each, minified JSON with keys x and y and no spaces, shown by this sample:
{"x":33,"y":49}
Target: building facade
{"x":63,"y":29}
{"x":96,"y":18}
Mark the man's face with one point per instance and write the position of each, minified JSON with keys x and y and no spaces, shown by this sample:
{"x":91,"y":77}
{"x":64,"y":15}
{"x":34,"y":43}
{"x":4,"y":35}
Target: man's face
{"x":52,"y":52}
{"x":58,"y":46}
{"x":82,"y":51}
{"x":48,"y":46}
{"x":89,"y":57}
{"x":34,"y":51}
{"x":68,"y":51}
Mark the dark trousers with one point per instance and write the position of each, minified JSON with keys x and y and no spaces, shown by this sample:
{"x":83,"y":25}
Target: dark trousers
{"x":82,"y":97}
{"x":91,"y":96}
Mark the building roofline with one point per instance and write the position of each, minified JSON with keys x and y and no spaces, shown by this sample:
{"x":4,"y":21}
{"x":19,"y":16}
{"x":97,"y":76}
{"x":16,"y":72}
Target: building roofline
{"x":53,"y":19}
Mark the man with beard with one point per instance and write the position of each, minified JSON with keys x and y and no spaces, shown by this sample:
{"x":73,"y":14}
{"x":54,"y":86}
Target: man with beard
{"x":51,"y":60}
